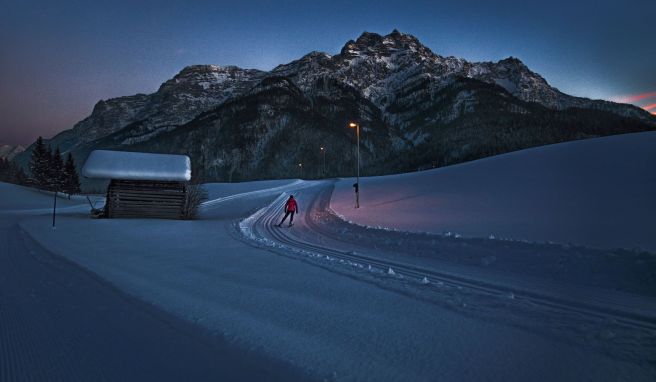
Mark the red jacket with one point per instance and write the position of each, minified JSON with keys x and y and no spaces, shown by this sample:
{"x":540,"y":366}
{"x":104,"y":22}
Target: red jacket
{"x":291,"y":206}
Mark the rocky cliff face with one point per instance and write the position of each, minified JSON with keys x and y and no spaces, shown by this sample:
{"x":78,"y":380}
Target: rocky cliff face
{"x":179,"y":100}
{"x":416,"y":109}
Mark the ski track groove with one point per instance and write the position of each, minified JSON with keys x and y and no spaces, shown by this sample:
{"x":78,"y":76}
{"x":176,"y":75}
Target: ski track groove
{"x":264,"y":226}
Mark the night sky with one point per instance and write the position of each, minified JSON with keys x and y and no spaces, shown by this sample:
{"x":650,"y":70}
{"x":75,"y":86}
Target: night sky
{"x":58,"y":58}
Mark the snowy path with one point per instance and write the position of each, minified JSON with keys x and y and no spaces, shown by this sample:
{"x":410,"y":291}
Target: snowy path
{"x":59,"y":322}
{"x":320,"y":231}
{"x":563,"y":309}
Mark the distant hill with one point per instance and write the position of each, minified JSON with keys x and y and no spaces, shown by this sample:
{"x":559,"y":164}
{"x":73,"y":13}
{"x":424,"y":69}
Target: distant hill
{"x":417,"y":109}
{"x":9,"y":152}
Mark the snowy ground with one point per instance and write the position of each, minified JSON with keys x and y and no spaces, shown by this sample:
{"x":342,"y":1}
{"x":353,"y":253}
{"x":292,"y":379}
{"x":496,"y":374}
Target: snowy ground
{"x":59,"y":322}
{"x":596,"y":192}
{"x":346,"y":302}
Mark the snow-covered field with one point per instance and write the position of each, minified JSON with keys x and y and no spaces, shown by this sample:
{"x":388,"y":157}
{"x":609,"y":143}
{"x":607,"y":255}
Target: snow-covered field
{"x":323,"y":297}
{"x":597,"y":192}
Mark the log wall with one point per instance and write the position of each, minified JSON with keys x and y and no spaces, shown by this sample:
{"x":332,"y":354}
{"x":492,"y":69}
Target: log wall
{"x":145,"y":199}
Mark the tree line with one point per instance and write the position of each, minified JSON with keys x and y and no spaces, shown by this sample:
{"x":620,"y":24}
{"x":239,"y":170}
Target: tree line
{"x":50,"y":172}
{"x":12,"y":173}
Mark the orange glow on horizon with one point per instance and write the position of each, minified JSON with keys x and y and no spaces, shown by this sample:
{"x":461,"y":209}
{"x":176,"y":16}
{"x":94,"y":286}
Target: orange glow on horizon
{"x":652,"y":106}
{"x":635,"y":97}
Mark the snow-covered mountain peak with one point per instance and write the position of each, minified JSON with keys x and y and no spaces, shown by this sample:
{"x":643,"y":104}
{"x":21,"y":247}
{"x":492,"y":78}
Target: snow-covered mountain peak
{"x":373,"y":44}
{"x":207,"y":76}
{"x":512,"y":61}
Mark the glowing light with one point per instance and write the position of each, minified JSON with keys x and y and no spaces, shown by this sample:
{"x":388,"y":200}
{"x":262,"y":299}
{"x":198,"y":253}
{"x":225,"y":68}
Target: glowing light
{"x":353,"y":124}
{"x":634,"y":97}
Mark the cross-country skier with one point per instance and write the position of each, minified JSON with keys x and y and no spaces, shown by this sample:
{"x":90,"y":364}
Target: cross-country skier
{"x":290,"y":209}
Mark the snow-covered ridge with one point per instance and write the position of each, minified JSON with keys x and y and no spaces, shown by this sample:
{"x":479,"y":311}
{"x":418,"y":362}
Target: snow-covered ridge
{"x":596,"y":192}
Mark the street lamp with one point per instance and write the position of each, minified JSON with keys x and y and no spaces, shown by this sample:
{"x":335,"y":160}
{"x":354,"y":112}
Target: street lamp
{"x":323,"y":152}
{"x":357,"y":182}
{"x":300,"y":166}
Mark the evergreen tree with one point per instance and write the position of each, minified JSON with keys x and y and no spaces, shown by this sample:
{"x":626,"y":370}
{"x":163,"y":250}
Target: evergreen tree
{"x":72,"y":185}
{"x":57,"y":178}
{"x":4,"y":170}
{"x":17,"y":174}
{"x":39,"y":165}
{"x":11,"y":172}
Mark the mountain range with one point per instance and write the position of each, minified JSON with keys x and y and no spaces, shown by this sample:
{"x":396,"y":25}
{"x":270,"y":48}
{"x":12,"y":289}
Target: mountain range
{"x":416,"y":110}
{"x":8,"y":152}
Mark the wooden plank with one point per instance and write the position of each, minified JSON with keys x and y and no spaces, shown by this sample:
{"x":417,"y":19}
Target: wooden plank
{"x":147,"y":213}
{"x":143,"y":197}
{"x":138,"y":200}
{"x":142,"y":209}
{"x":147,"y":205}
{"x":147,"y":217}
{"x":146,"y":199}
{"x":147,"y":192}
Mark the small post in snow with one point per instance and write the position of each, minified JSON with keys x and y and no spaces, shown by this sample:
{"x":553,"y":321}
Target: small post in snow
{"x":323,"y":152}
{"x":54,"y":210}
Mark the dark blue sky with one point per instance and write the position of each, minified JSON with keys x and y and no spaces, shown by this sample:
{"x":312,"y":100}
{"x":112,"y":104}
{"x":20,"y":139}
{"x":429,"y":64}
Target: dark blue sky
{"x":58,"y":58}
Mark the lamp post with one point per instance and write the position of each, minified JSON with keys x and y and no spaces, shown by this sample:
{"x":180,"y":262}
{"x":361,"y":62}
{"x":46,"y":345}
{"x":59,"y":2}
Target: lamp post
{"x":300,"y":166}
{"x":357,"y":182}
{"x":323,"y":152}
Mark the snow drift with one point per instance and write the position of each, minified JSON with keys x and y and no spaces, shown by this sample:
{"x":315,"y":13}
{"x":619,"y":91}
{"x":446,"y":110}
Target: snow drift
{"x":596,"y":192}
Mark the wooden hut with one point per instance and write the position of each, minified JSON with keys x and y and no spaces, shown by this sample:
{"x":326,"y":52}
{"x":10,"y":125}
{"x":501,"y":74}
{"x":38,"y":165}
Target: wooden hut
{"x":142,"y":185}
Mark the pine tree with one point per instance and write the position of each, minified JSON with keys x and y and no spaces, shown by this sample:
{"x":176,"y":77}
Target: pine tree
{"x":39,"y":164}
{"x":72,"y":185}
{"x":17,"y":174}
{"x":57,"y":178}
{"x":4,"y":170}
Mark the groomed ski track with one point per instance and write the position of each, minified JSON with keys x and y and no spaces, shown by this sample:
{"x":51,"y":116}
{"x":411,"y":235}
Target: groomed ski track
{"x":308,"y":238}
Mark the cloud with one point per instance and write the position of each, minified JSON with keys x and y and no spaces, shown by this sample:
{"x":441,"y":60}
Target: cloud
{"x":648,"y":107}
{"x":634,"y":97}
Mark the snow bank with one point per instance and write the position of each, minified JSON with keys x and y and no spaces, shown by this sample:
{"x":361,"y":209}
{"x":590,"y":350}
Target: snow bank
{"x":25,"y":200}
{"x":106,"y":164}
{"x":596,"y":192}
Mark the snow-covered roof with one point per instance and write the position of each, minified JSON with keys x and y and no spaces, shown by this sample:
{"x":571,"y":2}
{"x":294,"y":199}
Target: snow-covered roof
{"x":125,"y":165}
